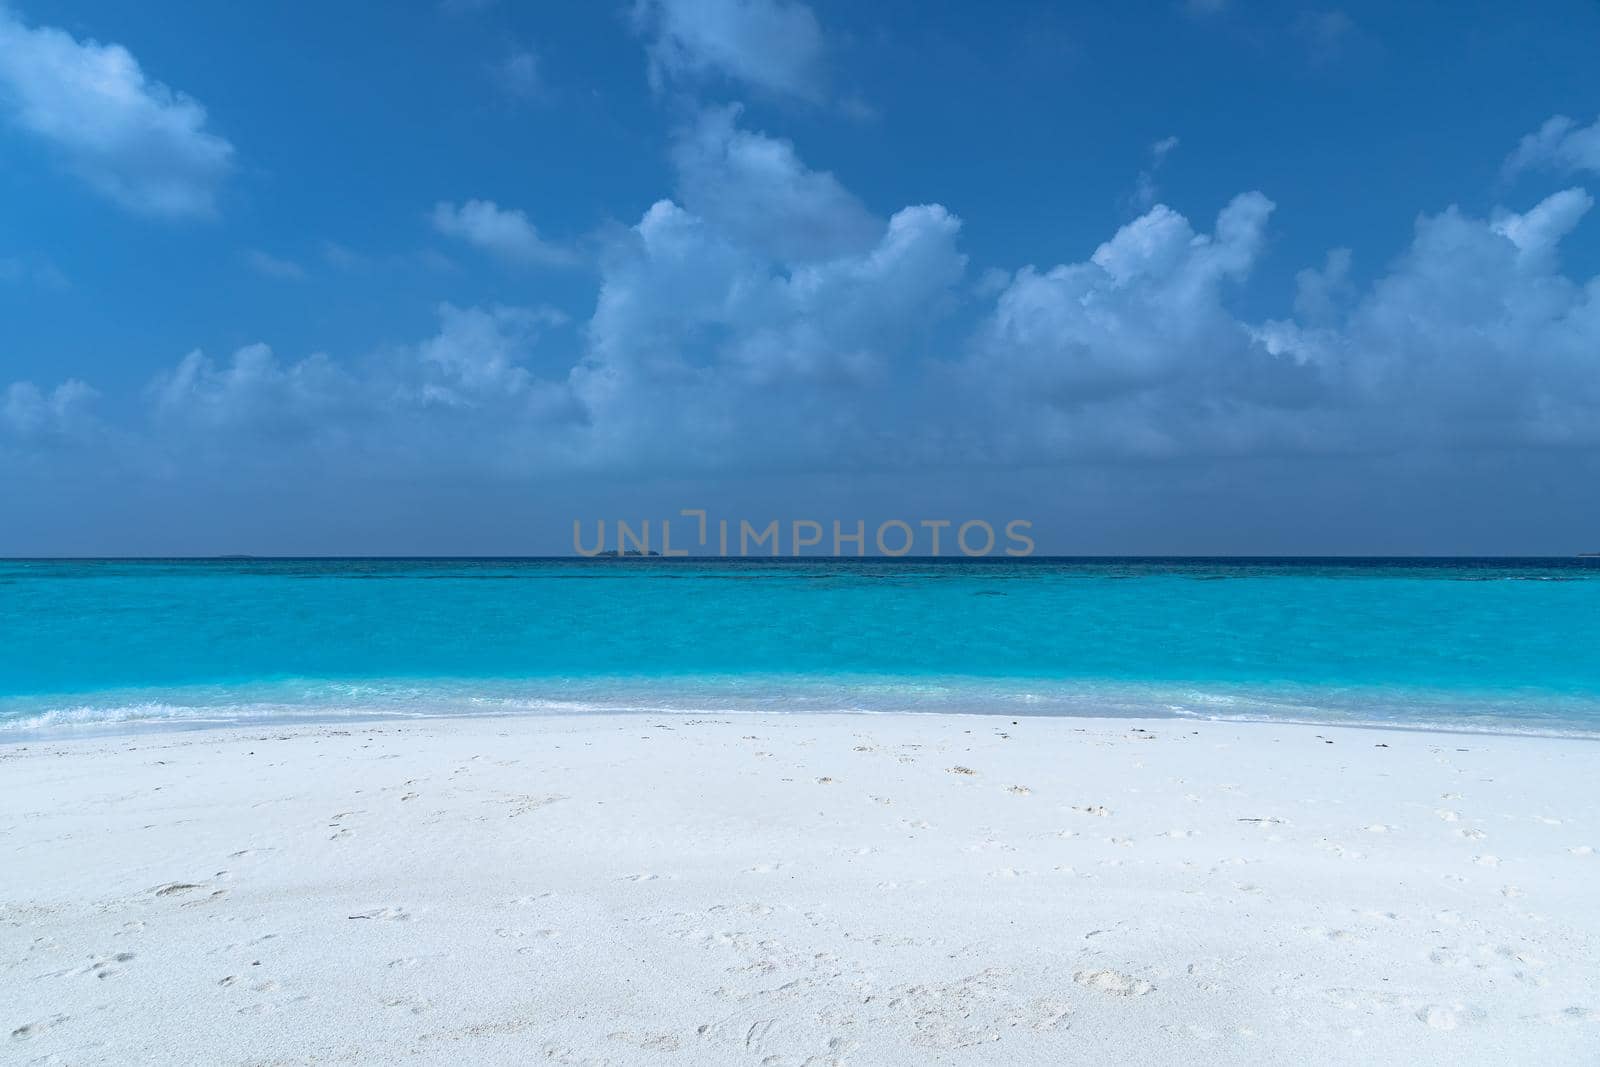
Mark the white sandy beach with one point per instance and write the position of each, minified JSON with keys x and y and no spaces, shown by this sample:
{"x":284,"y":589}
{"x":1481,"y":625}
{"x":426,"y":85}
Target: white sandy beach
{"x":800,"y":890}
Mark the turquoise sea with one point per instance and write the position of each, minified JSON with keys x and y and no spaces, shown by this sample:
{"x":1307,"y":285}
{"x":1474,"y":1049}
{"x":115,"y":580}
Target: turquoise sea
{"x":1498,"y":644}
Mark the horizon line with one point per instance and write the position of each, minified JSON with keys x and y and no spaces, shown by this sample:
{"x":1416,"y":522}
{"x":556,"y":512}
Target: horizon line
{"x":821,"y":557}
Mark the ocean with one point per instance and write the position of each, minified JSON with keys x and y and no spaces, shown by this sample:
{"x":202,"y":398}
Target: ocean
{"x":1468,"y":644}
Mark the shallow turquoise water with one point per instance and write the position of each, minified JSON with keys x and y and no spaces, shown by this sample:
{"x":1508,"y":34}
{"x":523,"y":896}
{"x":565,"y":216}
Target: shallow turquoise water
{"x":1503,"y":644}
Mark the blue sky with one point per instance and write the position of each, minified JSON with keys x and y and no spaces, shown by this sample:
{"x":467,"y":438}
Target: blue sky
{"x":1205,"y":276}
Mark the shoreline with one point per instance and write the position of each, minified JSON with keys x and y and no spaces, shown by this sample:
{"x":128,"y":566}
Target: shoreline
{"x":116,"y":729}
{"x":848,"y":888}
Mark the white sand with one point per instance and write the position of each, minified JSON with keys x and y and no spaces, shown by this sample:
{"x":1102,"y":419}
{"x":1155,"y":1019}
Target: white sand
{"x":803,"y":889}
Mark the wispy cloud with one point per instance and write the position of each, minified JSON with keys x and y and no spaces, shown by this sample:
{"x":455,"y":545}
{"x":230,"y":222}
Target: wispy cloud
{"x":775,"y":46}
{"x":504,"y":232}
{"x":271,"y":266}
{"x":32,"y":270}
{"x":1560,"y":144}
{"x":1326,"y":33}
{"x":1145,"y":191}
{"x":519,"y":77}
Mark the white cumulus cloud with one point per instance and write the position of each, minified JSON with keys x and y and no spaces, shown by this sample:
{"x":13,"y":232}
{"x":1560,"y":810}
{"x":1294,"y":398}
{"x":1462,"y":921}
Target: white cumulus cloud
{"x":1472,"y":337}
{"x":479,"y":352}
{"x":700,"y":343}
{"x":254,"y":391}
{"x":764,"y":320}
{"x":131,"y":138}
{"x":1146,"y":307}
{"x":756,"y":190}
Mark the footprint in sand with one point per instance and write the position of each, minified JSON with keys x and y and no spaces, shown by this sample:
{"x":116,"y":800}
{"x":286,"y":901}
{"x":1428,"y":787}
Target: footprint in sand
{"x":530,"y":899}
{"x":1438,"y":1018}
{"x":1446,"y":1017}
{"x":106,"y":967}
{"x":989,"y":844}
{"x":1114,"y":982}
{"x":415,"y":1007}
{"x":28,"y":1031}
{"x":216,"y":894}
{"x":649,"y":1042}
{"x":413,"y":962}
{"x":523,"y":803}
